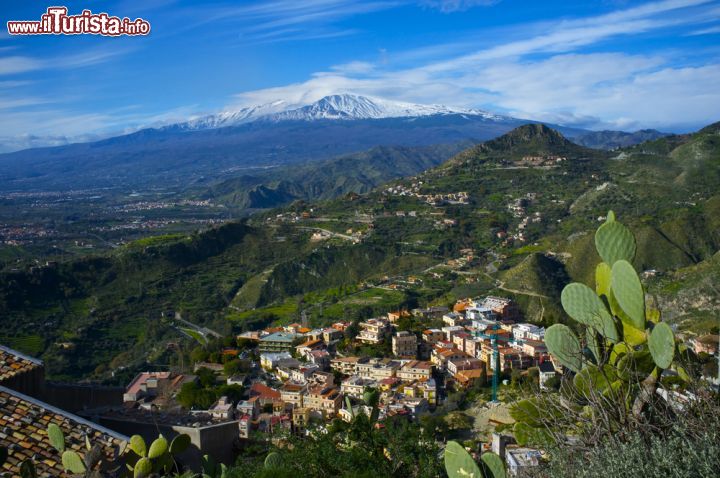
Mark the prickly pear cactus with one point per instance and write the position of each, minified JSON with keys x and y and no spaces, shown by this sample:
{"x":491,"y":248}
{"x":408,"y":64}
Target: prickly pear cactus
{"x":493,"y":465}
{"x":459,"y":463}
{"x":158,"y":447}
{"x":137,"y":444}
{"x":273,"y":460}
{"x":662,"y":345}
{"x":564,"y":345}
{"x":629,"y":292}
{"x":614,"y":241}
{"x":72,"y":462}
{"x":56,"y":436}
{"x":619,"y":342}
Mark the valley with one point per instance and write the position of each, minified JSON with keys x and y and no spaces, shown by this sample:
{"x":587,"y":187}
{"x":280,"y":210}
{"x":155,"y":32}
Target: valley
{"x":509,"y":216}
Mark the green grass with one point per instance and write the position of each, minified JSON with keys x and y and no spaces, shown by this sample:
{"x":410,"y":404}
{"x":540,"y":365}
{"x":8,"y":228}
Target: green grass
{"x":156,"y":240}
{"x":283,"y":313}
{"x":249,"y":294}
{"x":29,"y":344}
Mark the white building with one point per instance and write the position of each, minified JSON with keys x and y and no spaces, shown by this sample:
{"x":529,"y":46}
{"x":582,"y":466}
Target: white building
{"x":373,"y":331}
{"x":404,"y":344}
{"x":270,"y":360}
{"x":528,"y":332}
{"x":520,"y":461}
{"x":479,"y":313}
{"x":453,"y":318}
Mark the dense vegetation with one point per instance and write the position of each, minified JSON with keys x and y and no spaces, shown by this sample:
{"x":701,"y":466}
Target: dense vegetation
{"x":90,"y":316}
{"x":357,"y":173}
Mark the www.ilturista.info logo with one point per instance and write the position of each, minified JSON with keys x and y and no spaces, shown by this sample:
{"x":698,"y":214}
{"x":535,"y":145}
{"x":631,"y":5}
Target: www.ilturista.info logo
{"x":57,"y":22}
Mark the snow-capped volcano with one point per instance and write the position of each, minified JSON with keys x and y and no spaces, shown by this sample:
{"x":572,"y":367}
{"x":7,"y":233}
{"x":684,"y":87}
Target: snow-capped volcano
{"x":333,"y":107}
{"x":349,"y":106}
{"x":235,"y":117}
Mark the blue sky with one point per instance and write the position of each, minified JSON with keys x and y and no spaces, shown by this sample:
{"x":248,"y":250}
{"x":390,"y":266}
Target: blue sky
{"x":597,"y":64}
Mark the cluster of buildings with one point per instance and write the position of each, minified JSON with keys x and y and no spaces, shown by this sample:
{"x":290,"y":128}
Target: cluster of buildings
{"x":480,"y":335}
{"x":535,"y":161}
{"x":461,"y":197}
{"x":518,"y":207}
{"x":306,"y":380}
{"x":299,"y":376}
{"x":153,"y":205}
{"x":310,"y":380}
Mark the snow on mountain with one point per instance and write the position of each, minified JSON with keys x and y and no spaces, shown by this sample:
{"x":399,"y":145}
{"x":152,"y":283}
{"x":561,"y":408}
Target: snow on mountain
{"x":236,"y":117}
{"x":333,"y":107}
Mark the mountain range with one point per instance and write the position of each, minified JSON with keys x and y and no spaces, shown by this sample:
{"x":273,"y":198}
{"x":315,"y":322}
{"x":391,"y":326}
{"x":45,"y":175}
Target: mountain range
{"x":533,"y":200}
{"x":215,"y":148}
{"x":333,"y":107}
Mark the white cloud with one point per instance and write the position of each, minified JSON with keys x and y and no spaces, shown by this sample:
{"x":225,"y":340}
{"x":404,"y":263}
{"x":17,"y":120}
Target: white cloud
{"x":545,"y":75}
{"x":282,"y":20}
{"x":542,"y":71}
{"x":10,"y":65}
{"x":705,"y":31}
{"x":450,"y":6}
{"x":354,"y":67}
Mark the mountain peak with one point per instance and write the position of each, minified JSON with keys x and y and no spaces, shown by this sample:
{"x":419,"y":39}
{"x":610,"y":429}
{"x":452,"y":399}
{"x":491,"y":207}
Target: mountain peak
{"x":534,"y":131}
{"x":530,"y":138}
{"x":349,"y":106}
{"x":340,"y":106}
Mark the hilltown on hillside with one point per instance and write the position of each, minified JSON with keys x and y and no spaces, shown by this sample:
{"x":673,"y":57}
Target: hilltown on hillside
{"x":293,"y":379}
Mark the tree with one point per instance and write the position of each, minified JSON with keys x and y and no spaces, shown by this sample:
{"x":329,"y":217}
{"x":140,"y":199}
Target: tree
{"x":205,"y":376}
{"x":433,"y":427}
{"x":359,"y":449}
{"x":187,"y":394}
{"x":233,"y":392}
{"x":232,"y":367}
{"x":515,"y":377}
{"x":553,"y":383}
{"x":198,"y":354}
{"x":458,"y":420}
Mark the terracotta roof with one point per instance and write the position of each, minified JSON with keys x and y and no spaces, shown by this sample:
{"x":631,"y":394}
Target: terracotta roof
{"x":258,"y":389}
{"x":466,"y":375}
{"x":143,"y":377}
{"x":451,"y":352}
{"x":23,"y":431}
{"x":13,"y":363}
{"x":346,"y":359}
{"x":310,"y":343}
{"x":291,"y":387}
{"x":418,"y":364}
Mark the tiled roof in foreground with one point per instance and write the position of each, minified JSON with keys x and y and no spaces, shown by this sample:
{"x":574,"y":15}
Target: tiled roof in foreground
{"x":23,"y":431}
{"x":13,"y":363}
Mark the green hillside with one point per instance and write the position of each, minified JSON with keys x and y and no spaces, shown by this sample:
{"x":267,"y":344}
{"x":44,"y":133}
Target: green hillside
{"x":357,"y":173}
{"x":525,"y":204}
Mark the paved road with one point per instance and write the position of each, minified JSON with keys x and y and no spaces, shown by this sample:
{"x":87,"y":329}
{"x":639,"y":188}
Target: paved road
{"x":203,"y":330}
{"x":331,"y":233}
